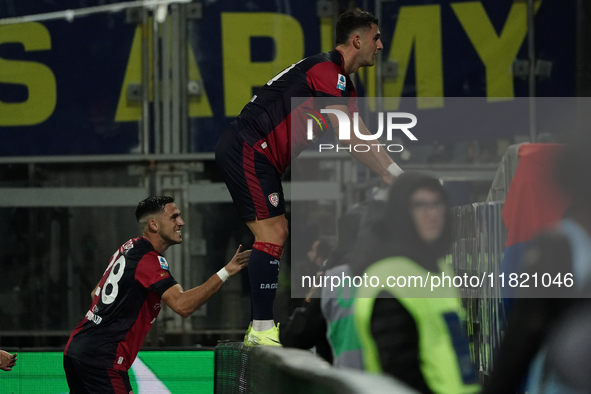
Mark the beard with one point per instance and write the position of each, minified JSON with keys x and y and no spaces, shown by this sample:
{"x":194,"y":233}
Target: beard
{"x":171,"y":240}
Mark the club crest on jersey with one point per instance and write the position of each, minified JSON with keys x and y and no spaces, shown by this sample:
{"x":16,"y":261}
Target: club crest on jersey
{"x":342,"y":82}
{"x":274,"y":199}
{"x":163,"y":262}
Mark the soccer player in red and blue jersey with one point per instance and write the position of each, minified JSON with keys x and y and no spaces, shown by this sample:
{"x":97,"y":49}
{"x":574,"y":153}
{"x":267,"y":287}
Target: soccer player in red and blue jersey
{"x":260,"y":144}
{"x":128,"y":298}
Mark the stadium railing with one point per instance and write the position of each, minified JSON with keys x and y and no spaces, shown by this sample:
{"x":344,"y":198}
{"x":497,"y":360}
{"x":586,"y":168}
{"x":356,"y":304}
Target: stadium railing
{"x":479,"y":237}
{"x":270,"y":370}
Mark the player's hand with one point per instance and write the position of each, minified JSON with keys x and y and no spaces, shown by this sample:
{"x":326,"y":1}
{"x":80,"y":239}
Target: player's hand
{"x":7,"y":360}
{"x":239,"y":261}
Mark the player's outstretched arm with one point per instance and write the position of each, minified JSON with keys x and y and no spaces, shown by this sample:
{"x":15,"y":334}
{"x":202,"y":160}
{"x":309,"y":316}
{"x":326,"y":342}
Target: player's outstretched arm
{"x":377,"y":159}
{"x":7,"y":360}
{"x":186,"y":302}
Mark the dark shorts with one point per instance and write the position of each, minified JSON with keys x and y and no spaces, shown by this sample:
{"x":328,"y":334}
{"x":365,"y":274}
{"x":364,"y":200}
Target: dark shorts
{"x":83,"y":379}
{"x":254,"y":183}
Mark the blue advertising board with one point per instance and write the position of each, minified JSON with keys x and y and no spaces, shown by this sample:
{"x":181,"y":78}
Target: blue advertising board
{"x":63,"y":84}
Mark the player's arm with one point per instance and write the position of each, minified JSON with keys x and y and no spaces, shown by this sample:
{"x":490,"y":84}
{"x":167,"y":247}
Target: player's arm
{"x":377,"y":159}
{"x":185,"y":302}
{"x":7,"y":360}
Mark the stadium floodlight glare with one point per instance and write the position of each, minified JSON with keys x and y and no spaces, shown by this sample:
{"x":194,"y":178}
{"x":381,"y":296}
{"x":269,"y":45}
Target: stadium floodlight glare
{"x":161,"y":13}
{"x":70,"y":15}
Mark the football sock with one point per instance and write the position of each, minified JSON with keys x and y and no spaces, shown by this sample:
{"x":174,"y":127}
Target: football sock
{"x":262,"y":325}
{"x":263,"y":270}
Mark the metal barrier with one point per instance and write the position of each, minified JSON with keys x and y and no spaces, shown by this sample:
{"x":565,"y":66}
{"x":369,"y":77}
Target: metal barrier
{"x":478,"y":244}
{"x":270,"y":370}
{"x":73,"y":211}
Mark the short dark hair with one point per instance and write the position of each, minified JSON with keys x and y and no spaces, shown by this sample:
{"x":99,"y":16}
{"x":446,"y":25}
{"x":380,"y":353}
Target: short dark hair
{"x":152,"y":205}
{"x":349,"y":21}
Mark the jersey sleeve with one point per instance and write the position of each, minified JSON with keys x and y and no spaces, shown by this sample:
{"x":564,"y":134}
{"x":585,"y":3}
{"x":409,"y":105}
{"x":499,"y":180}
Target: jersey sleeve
{"x":153,"y":273}
{"x":327,"y":81}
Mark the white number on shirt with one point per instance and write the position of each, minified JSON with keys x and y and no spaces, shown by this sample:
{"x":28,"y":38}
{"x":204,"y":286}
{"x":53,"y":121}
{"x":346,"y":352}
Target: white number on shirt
{"x":113,"y":280}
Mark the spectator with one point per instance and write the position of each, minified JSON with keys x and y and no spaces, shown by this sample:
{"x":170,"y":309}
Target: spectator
{"x":413,"y":336}
{"x":318,"y":254}
{"x":542,"y":317}
{"x":309,"y":324}
{"x":337,"y":304}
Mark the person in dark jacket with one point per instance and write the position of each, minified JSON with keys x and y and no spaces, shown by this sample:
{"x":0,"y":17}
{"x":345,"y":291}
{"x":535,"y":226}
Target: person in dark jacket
{"x":307,"y":326}
{"x":420,"y":341}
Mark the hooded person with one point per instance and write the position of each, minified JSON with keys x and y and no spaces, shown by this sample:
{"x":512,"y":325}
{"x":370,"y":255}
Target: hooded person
{"x":408,"y":331}
{"x":390,"y":229}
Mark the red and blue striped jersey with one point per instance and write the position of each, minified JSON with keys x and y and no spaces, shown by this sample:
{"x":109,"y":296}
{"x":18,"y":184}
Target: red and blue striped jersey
{"x":267,"y":122}
{"x":124,"y":307}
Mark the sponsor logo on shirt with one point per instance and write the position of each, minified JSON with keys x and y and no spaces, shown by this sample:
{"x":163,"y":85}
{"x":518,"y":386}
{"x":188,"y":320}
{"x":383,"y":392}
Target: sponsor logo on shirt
{"x":342,"y":82}
{"x":96,"y":319}
{"x":274,"y":199}
{"x":163,"y":262}
{"x":268,"y":285}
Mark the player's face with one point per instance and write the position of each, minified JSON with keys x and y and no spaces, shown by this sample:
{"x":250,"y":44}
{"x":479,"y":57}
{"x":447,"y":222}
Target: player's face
{"x":170,"y":223}
{"x":428,"y":213}
{"x":370,"y":45}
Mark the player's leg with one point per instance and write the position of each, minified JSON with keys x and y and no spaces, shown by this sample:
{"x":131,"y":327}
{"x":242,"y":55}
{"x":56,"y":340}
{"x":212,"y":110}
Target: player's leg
{"x":273,"y":230}
{"x":73,"y":378}
{"x":255,"y":187}
{"x":84,"y":379}
{"x":270,"y":235}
